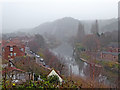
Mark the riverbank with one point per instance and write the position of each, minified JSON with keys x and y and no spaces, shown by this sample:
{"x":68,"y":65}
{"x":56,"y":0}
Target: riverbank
{"x":86,"y":83}
{"x":80,"y":67}
{"x":109,"y":68}
{"x":96,"y":65}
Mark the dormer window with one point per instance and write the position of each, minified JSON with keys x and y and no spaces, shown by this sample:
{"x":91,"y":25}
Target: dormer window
{"x":11,"y":48}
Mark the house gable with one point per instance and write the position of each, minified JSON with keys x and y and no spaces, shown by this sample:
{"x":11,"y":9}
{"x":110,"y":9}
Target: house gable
{"x":53,"y":72}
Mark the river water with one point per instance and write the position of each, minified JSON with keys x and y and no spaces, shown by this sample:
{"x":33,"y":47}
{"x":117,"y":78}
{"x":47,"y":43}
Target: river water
{"x":78,"y":67}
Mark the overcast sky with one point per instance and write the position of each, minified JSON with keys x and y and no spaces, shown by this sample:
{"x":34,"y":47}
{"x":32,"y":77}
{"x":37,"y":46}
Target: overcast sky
{"x":28,"y":14}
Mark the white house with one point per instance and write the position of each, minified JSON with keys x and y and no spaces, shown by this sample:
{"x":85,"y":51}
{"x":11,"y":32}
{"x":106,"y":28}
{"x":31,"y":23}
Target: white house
{"x":54,"y":72}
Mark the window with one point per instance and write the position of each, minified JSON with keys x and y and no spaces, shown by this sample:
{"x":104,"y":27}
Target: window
{"x":21,"y":49}
{"x":11,"y":48}
{"x":11,"y":54}
{"x":3,"y":49}
{"x":14,"y":54}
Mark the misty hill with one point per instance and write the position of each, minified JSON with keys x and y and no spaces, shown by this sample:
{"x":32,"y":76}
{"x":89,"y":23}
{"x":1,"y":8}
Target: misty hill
{"x":67,"y":27}
{"x":110,"y":27}
{"x":61,"y":28}
{"x":104,"y":25}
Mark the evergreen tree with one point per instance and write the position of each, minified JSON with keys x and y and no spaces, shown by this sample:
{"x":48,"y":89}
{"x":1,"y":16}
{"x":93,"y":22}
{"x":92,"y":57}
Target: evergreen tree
{"x":80,"y":33}
{"x":95,"y":28}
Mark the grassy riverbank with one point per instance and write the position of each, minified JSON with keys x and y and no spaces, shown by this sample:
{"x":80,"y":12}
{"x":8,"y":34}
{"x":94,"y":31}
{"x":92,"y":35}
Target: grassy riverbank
{"x":110,"y":68}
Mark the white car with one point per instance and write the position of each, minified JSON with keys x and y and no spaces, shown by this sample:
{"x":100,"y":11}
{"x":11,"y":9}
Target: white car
{"x":34,"y":54}
{"x":31,"y":52}
{"x":41,"y":59}
{"x":37,"y":56}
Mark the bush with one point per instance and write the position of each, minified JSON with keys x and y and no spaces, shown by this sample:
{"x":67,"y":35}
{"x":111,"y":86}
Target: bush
{"x":53,"y":79}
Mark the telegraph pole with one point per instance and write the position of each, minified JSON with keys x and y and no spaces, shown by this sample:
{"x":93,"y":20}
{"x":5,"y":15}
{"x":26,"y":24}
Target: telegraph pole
{"x":70,"y":72}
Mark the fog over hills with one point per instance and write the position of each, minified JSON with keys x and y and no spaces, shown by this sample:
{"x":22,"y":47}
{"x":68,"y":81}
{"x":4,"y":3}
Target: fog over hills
{"x":64,"y":27}
{"x":110,"y":27}
{"x":68,"y":26}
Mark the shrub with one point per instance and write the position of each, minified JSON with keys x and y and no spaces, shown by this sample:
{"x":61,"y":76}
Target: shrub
{"x":53,"y":79}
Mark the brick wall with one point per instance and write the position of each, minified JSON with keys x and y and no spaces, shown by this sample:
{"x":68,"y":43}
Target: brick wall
{"x":109,"y":57}
{"x":17,"y":51}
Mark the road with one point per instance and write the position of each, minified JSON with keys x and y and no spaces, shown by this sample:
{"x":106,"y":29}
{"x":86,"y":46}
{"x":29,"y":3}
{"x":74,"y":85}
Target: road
{"x":39,"y":60}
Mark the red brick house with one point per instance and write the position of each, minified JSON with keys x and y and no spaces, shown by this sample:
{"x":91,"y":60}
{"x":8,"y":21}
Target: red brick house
{"x":109,"y":56}
{"x":11,"y":50}
{"x":111,"y":53}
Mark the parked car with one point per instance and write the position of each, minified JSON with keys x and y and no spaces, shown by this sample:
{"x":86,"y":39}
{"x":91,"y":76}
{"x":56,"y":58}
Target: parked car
{"x":37,"y":56}
{"x":41,"y":59}
{"x":34,"y":53}
{"x":43,"y":63}
{"x":31,"y":52}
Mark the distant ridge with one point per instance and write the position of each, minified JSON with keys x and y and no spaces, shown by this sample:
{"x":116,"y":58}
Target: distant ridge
{"x":68,"y":26}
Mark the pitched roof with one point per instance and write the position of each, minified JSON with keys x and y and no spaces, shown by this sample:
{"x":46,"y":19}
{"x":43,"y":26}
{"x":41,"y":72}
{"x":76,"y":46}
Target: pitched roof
{"x":11,"y":69}
{"x":10,"y":44}
{"x":56,"y":72}
{"x":113,"y":53}
{"x":113,"y":44}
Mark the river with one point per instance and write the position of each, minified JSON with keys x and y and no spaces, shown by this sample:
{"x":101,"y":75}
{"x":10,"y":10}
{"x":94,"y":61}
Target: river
{"x":78,"y":67}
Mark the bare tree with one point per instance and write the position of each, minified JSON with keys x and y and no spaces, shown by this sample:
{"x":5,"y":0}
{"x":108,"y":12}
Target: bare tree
{"x":91,"y":42}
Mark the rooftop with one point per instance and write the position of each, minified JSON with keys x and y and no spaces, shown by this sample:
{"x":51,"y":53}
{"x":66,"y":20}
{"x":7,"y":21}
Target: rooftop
{"x":11,"y":69}
{"x":113,"y":53}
